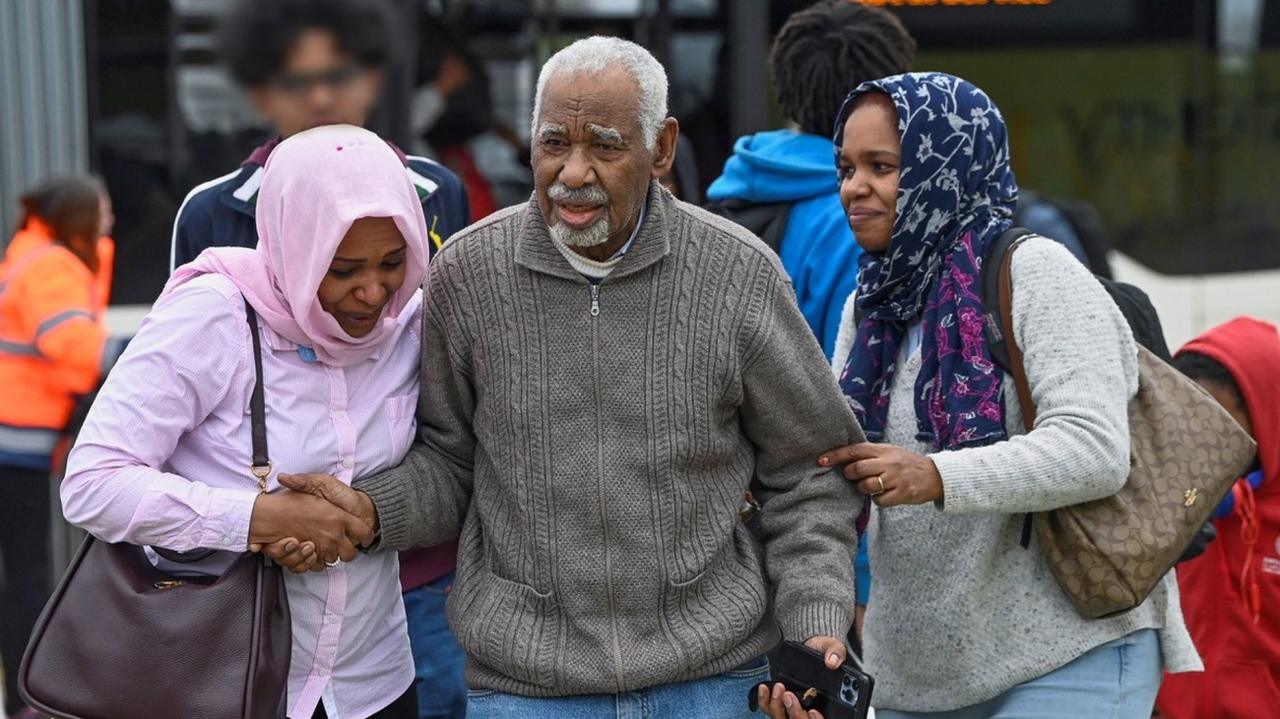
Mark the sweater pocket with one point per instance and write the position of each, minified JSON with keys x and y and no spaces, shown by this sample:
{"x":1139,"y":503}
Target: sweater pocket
{"x":716,"y":610}
{"x":508,"y":626}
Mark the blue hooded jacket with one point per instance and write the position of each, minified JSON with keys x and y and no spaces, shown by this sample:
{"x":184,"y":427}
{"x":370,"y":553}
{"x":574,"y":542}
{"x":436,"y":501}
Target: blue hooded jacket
{"x":818,"y":249}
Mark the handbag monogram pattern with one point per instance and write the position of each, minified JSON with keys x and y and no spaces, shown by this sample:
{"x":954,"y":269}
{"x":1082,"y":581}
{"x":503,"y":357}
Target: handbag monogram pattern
{"x":1186,"y":452}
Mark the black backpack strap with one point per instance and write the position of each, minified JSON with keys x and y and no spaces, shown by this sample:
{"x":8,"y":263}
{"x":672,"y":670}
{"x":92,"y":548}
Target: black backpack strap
{"x":1141,"y":315}
{"x":768,"y":221}
{"x":777,"y":227}
{"x":995,"y":329}
{"x":997,"y":302}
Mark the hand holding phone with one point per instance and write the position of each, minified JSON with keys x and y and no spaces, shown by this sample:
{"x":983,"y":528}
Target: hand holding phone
{"x":816,"y":689}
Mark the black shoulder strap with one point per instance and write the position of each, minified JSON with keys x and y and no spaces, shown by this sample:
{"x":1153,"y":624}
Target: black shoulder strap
{"x":261,"y":465}
{"x":768,"y":221}
{"x":777,"y":227}
{"x":998,"y":305}
{"x":991,"y":262}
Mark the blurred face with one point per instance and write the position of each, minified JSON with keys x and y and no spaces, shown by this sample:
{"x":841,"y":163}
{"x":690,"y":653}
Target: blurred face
{"x":591,"y":168}
{"x":1227,"y":398}
{"x":870,"y":160}
{"x":367,"y":270}
{"x":317,"y":85}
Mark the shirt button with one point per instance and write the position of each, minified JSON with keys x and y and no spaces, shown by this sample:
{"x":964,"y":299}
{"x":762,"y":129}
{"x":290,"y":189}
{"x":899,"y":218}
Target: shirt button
{"x":346,"y":463}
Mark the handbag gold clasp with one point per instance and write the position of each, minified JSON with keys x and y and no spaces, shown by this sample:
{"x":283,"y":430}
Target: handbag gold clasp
{"x":262,"y":472}
{"x":806,"y":699}
{"x":1190,"y":496}
{"x":169,"y":584}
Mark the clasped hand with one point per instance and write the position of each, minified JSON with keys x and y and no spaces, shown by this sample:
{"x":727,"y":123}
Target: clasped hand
{"x":316,"y":522}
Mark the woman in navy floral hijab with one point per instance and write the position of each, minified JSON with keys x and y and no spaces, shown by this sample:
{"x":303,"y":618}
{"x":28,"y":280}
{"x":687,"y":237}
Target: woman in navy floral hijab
{"x":963,"y":621}
{"x":956,"y":194}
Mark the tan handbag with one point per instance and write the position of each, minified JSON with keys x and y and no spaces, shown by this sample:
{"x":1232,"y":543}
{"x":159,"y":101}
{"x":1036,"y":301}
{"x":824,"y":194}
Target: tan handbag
{"x":1186,"y":452}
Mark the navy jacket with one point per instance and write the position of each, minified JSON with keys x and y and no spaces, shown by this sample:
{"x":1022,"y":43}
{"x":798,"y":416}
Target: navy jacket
{"x":219,"y":213}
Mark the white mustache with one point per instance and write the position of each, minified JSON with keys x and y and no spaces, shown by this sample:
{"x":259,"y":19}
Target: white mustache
{"x":586,"y":195}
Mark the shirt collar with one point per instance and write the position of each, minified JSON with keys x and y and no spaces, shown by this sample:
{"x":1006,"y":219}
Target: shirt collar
{"x":634,"y":233}
{"x":649,"y":242}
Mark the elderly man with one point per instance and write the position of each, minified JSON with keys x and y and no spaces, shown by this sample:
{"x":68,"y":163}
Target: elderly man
{"x":604,"y":371}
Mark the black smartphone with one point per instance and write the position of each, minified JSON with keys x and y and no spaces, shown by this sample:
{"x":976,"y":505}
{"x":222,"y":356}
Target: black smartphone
{"x":843,"y":693}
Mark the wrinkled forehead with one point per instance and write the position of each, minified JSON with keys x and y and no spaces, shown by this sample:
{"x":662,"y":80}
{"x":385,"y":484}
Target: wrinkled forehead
{"x":585,"y":102}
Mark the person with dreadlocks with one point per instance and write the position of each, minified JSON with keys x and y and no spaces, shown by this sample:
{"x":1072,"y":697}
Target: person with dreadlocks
{"x":783,"y":177}
{"x":963,"y":622}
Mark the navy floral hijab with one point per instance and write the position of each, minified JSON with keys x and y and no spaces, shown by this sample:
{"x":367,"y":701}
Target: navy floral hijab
{"x":956,"y":195}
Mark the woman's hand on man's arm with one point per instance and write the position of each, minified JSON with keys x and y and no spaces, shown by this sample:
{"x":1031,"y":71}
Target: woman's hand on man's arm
{"x":889,"y":475}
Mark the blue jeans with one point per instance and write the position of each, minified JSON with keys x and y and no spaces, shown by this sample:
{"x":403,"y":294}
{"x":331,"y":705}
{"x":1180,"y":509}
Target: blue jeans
{"x":1117,"y":680}
{"x":723,"y":696}
{"x":437,"y":659}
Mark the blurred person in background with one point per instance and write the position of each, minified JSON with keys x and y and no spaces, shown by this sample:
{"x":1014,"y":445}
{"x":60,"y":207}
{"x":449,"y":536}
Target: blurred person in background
{"x":819,"y":56}
{"x":1075,"y":224}
{"x":54,"y":347}
{"x":306,"y":63}
{"x":453,"y":120}
{"x":1231,"y":593}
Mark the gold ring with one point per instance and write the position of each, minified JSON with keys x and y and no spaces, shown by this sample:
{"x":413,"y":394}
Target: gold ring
{"x":880,"y":480}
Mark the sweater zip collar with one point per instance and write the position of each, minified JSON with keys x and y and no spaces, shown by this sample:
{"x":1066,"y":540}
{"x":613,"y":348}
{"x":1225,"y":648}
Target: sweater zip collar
{"x":536,"y":251}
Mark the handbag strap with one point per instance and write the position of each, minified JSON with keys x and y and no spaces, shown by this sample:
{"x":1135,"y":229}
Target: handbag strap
{"x":261,"y":464}
{"x":1016,"y":366}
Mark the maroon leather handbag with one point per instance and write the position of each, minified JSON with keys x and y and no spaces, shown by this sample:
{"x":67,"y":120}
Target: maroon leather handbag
{"x":120,"y":639}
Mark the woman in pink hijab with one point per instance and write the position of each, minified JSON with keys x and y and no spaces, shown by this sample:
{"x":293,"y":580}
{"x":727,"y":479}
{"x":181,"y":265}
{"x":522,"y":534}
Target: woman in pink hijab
{"x":164,"y":454}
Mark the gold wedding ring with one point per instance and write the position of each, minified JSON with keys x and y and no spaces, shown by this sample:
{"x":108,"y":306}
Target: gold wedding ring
{"x":880,"y":481}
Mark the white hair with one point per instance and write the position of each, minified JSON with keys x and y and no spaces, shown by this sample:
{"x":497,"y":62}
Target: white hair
{"x":598,"y":54}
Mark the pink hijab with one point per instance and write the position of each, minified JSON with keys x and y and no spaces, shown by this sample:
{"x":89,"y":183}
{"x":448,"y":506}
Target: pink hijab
{"x":317,"y":183}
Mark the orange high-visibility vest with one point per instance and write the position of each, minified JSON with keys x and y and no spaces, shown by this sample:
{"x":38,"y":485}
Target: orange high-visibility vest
{"x":52,"y":339}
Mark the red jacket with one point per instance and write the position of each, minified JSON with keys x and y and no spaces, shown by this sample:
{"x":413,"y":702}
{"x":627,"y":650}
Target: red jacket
{"x":1231,"y":593}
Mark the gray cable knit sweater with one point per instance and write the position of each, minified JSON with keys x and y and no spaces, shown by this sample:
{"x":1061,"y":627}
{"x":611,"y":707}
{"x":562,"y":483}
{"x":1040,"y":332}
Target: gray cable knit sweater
{"x":591,"y":446}
{"x":959,"y":611}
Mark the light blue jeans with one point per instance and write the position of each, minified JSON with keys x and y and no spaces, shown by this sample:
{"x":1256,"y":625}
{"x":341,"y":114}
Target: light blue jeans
{"x":1117,"y":680}
{"x":723,"y":696}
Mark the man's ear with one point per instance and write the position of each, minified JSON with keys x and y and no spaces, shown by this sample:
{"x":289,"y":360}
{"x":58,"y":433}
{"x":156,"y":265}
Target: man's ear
{"x":664,"y":151}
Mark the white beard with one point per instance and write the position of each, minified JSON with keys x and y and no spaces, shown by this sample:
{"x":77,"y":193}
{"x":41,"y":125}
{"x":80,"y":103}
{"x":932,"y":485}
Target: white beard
{"x":594,"y":235}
